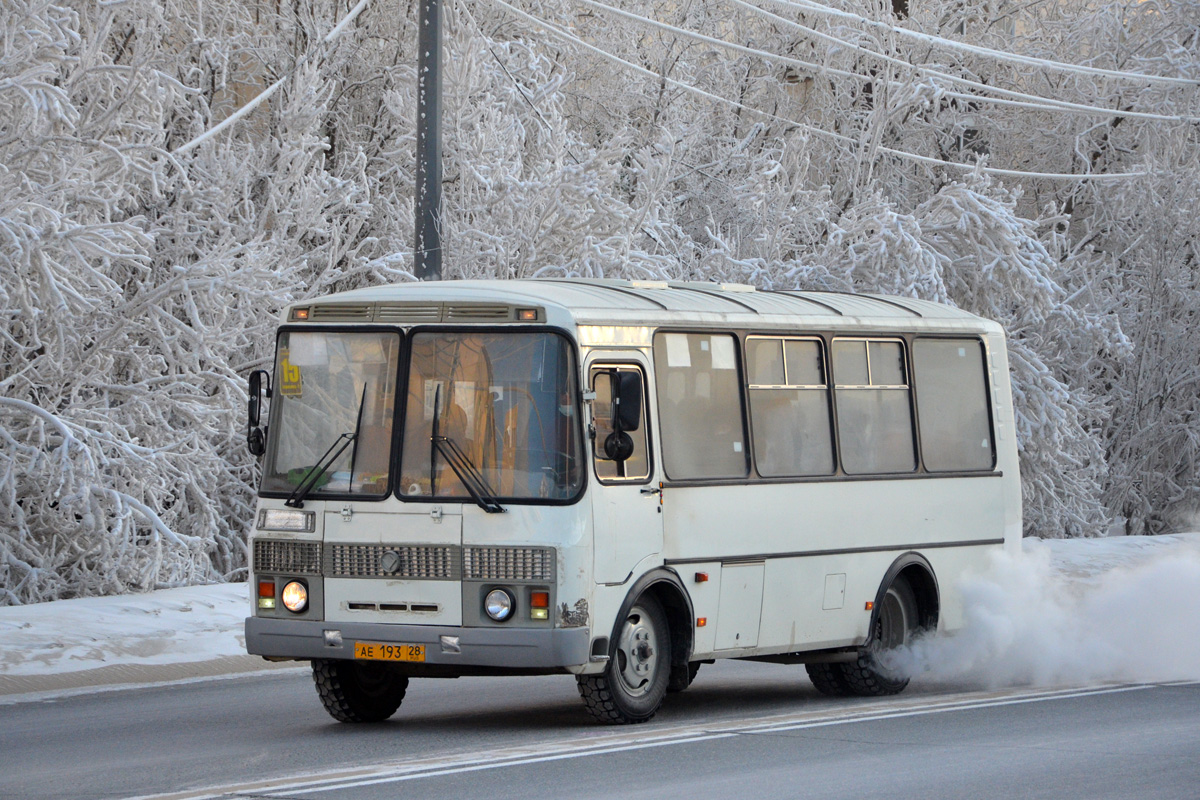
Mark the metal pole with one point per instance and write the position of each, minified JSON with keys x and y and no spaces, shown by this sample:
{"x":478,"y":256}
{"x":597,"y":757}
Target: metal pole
{"x":428,"y":205}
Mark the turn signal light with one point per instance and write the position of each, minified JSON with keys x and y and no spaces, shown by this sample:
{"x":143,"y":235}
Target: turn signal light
{"x":539,"y":599}
{"x":701,"y":622}
{"x":266,"y":588}
{"x":870,"y":605}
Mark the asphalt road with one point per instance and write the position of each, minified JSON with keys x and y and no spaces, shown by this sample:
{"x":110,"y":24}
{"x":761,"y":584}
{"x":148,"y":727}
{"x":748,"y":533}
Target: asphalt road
{"x":742,"y":731}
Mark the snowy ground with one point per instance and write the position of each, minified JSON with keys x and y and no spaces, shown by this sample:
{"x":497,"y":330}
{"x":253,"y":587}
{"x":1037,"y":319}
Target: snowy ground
{"x":1063,"y":612}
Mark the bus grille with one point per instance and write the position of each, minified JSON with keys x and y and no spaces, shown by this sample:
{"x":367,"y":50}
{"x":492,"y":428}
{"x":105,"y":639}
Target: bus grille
{"x":508,"y":564}
{"x":411,"y":562}
{"x":302,"y":558}
{"x":414,"y":562}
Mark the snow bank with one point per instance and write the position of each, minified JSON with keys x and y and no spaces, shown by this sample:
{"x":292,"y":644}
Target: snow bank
{"x":171,"y":626}
{"x":1075,"y":611}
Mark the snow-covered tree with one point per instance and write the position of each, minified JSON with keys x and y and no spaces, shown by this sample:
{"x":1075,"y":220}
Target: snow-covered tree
{"x":174,"y":173}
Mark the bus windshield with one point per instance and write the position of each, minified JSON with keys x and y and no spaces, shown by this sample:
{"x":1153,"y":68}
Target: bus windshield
{"x":505,"y":402}
{"x":333,"y":388}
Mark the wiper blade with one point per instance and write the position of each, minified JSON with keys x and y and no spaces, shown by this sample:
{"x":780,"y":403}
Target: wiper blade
{"x":468,"y":473}
{"x":296,"y":499}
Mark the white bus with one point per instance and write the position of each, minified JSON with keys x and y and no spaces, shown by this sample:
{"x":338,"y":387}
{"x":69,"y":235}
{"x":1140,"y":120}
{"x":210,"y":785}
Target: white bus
{"x":620,"y":480}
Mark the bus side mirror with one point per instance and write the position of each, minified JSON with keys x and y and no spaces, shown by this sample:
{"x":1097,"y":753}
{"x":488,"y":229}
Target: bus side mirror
{"x":627,"y":415}
{"x":256,"y":437}
{"x":627,"y":399}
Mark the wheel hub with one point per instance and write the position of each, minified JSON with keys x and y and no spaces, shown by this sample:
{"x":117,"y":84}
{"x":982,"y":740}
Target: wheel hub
{"x":637,"y":653}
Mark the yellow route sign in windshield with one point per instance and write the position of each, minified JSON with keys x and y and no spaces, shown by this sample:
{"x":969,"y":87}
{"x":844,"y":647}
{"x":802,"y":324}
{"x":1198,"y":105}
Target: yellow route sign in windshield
{"x":290,"y":383}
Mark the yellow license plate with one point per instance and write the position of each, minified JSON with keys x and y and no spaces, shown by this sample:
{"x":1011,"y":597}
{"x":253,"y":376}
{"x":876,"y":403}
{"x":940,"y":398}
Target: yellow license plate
{"x":379,"y":651}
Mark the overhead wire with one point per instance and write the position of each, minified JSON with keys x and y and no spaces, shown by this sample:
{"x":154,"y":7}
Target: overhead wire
{"x":1000,"y":55}
{"x":1008,"y":97}
{"x":559,"y":32}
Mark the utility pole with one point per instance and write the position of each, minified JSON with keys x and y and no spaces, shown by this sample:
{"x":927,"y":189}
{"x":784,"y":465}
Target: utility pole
{"x":428,"y":205}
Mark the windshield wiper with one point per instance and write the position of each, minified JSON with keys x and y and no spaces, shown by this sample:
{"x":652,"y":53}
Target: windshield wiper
{"x":470,"y":476}
{"x":296,"y":499}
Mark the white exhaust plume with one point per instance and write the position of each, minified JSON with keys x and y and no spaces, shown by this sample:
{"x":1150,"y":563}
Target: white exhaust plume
{"x":1074,"y":612}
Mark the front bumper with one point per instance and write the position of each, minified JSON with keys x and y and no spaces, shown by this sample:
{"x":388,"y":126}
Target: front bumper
{"x":507,"y":648}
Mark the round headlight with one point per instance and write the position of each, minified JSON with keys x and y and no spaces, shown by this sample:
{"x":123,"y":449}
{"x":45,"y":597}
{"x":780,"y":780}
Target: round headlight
{"x":499,"y":604}
{"x":295,"y":597}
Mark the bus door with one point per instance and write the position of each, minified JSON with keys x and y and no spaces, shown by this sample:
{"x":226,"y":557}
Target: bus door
{"x":626,"y":510}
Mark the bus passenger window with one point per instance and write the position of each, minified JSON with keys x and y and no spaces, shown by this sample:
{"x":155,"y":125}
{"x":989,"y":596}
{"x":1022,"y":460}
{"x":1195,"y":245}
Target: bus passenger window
{"x":700,"y":406}
{"x":952,"y":405}
{"x":789,"y":407}
{"x":874,"y":414}
{"x":637,"y":466}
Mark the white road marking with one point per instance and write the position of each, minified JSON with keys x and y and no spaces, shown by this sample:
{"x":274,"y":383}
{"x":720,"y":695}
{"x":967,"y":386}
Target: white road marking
{"x":638,"y":739}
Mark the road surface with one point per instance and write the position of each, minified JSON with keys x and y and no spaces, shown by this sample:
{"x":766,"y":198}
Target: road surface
{"x":743,"y":731}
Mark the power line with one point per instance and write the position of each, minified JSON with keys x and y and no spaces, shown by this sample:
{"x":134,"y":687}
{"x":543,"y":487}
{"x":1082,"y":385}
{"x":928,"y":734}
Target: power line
{"x":1015,"y":99}
{"x":819,"y":8}
{"x":1030,"y":100}
{"x":562,"y":34}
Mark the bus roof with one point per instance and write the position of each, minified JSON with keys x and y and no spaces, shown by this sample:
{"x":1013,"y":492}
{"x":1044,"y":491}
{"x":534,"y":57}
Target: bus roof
{"x":632,"y":302}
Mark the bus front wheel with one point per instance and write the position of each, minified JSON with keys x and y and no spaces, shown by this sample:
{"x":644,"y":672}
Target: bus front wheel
{"x":874,"y":672}
{"x":356,"y":691}
{"x":634,"y":681}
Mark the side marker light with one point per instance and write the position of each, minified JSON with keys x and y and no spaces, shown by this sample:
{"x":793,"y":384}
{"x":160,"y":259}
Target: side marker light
{"x":701,"y":577}
{"x":870,"y":605}
{"x":701,"y":622}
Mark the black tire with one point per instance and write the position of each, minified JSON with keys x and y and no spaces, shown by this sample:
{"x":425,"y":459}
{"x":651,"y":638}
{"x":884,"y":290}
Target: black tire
{"x":830,"y":679}
{"x":634,"y":681}
{"x":358,"y":691}
{"x":895,"y":624}
{"x":682,"y":676}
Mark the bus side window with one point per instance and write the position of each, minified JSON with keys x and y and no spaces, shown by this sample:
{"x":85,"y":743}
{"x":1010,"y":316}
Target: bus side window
{"x":789,"y":407}
{"x":874,"y":414}
{"x":700,"y":406}
{"x":952,"y":405}
{"x":637,"y":466}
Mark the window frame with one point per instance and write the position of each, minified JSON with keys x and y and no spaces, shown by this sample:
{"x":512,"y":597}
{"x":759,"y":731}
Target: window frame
{"x":826,"y":336}
{"x":739,"y":372}
{"x":397,"y":415}
{"x":988,"y":397}
{"x":595,"y":368}
{"x":405,"y":364}
{"x":918,"y":467}
{"x":783,"y":338}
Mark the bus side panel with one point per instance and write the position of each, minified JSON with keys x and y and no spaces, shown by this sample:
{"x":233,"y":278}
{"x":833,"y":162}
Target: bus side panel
{"x":828,"y":545}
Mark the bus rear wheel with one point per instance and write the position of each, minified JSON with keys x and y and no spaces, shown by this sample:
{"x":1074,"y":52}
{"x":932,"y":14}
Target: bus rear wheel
{"x":356,"y":691}
{"x":874,"y":672}
{"x":830,"y":679}
{"x":632,"y":686}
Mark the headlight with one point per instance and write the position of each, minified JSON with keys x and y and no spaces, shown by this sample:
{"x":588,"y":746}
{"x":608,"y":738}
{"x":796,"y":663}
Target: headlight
{"x":295,"y":597}
{"x":498,"y":605}
{"x":286,"y":519}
